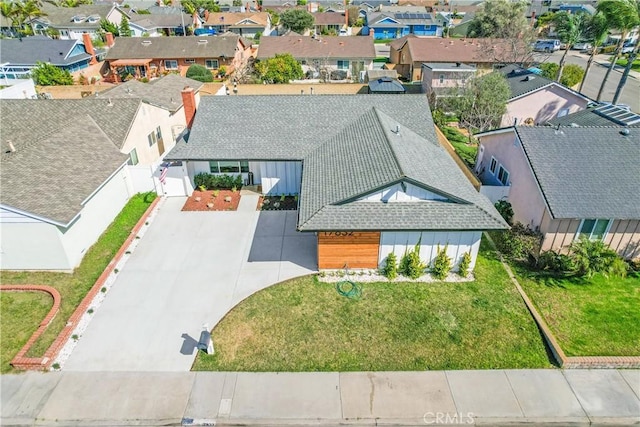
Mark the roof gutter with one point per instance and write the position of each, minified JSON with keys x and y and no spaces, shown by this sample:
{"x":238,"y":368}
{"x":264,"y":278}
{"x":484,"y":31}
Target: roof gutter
{"x":38,"y":217}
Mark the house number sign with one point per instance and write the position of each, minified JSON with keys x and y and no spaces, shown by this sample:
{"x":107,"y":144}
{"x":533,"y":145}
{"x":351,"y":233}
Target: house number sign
{"x":338,"y":233}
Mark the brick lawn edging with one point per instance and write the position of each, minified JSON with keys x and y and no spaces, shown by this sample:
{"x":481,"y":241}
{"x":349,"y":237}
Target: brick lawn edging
{"x":564,"y":361}
{"x":20,"y":361}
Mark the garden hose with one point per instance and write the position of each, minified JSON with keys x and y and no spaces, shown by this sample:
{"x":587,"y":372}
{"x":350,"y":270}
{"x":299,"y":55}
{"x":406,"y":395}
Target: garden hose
{"x":349,"y":289}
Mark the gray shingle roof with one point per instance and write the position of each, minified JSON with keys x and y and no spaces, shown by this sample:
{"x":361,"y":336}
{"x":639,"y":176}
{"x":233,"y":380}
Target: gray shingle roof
{"x":62,"y":17}
{"x":50,"y":174}
{"x":27,"y":120}
{"x":164,"y":93}
{"x":585,"y":172}
{"x":30,"y":50}
{"x":522,"y":81}
{"x":368,"y":155}
{"x":173,"y":47}
{"x":288,"y":127}
{"x":586,"y":118}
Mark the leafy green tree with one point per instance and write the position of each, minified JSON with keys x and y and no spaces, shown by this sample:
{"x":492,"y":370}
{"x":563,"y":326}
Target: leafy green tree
{"x":191,"y":6}
{"x":571,"y":28}
{"x":597,"y":30}
{"x":481,"y":102}
{"x":296,"y":20}
{"x":571,"y":75}
{"x":125,"y":30}
{"x":199,"y":73}
{"x":46,"y":74}
{"x":623,"y":16}
{"x":280,"y":69}
{"x":504,"y":19}
{"x":549,"y":70}
{"x":109,"y":27}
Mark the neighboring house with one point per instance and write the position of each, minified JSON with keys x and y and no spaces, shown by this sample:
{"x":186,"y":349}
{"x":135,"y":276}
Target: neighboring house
{"x":159,"y":24}
{"x":409,"y":53}
{"x":246,"y":24}
{"x":459,"y":27}
{"x":73,"y":22}
{"x":568,"y":182}
{"x":338,"y":57}
{"x":438,"y":79}
{"x":153,"y":57}
{"x":370,"y":173}
{"x":394,"y":23}
{"x":329,"y":22}
{"x":167,"y":109}
{"x":19,"y":56}
{"x":536,"y":99}
{"x":63,"y":179}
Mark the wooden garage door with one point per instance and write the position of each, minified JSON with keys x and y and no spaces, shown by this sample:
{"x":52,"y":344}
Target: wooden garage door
{"x":354,"y":248}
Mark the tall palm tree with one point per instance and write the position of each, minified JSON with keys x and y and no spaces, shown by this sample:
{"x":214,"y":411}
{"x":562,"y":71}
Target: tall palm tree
{"x":623,"y":16}
{"x":30,"y":10}
{"x":632,"y":57}
{"x":570,"y":28}
{"x":597,"y":30}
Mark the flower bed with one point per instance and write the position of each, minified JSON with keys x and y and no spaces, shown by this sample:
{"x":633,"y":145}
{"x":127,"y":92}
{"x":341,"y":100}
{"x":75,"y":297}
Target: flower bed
{"x":213,"y":200}
{"x":278,"y":203}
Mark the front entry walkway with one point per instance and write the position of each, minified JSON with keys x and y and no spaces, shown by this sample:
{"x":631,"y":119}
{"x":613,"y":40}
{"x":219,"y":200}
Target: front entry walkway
{"x":189,"y":269}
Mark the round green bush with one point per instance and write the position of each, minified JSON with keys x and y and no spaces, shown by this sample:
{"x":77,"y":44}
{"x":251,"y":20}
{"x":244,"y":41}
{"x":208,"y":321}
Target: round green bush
{"x":200,"y":73}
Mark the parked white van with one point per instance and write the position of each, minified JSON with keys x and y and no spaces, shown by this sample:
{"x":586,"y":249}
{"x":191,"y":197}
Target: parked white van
{"x":547,"y":45}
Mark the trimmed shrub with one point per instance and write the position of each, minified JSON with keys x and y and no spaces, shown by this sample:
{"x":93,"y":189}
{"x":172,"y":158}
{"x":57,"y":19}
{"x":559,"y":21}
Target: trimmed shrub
{"x":411,"y":265}
{"x":442,"y":264}
{"x":465,"y":263}
{"x":212,"y":182}
{"x":200,"y":73}
{"x":390,"y":270}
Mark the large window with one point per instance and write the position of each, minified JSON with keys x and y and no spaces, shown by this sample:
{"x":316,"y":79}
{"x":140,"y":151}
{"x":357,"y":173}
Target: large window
{"x":211,"y":64}
{"x":493,"y":165}
{"x":503,"y":175}
{"x":170,"y":64}
{"x":343,"y":65}
{"x":593,"y":229}
{"x":154,"y":137}
{"x":229,"y":166}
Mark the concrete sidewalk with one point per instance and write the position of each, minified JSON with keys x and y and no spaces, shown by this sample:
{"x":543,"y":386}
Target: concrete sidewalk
{"x":497,"y":397}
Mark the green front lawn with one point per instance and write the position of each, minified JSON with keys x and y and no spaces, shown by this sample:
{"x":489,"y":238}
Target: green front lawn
{"x":72,"y":287}
{"x":22,"y":312}
{"x":589,"y":317}
{"x":623,"y":63}
{"x":304,"y":325}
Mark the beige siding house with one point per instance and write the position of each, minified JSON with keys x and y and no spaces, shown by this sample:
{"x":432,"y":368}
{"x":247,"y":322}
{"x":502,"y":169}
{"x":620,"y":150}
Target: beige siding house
{"x":568,"y":182}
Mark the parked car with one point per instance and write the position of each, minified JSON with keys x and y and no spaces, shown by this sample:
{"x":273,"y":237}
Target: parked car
{"x":205,"y":32}
{"x":627,"y":47}
{"x":547,"y":45}
{"x":582,"y":46}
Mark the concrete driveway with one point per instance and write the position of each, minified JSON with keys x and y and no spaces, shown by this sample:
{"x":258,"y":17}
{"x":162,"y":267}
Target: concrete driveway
{"x":190,"y":268}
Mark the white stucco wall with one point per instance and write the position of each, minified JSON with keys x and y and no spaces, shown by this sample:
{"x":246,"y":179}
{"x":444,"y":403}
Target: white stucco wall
{"x":148,"y":118}
{"x":98,"y":212}
{"x":459,"y":242}
{"x":30,"y":244}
